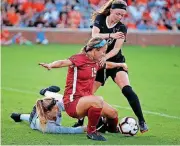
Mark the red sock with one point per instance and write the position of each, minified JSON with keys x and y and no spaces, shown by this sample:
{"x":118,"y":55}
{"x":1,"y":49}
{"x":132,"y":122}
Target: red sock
{"x":112,"y":125}
{"x":93,"y":118}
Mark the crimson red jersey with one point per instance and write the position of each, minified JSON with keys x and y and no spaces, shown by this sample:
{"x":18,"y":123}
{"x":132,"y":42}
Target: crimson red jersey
{"x":80,"y":77}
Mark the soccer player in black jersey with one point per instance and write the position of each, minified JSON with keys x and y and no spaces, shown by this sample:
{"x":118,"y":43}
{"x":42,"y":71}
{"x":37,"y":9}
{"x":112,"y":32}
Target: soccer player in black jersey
{"x":107,"y":24}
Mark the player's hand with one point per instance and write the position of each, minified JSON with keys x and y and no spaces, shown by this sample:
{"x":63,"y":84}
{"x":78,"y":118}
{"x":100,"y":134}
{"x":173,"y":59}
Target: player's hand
{"x":123,"y":65}
{"x":102,"y":61}
{"x":117,"y":35}
{"x":45,"y":65}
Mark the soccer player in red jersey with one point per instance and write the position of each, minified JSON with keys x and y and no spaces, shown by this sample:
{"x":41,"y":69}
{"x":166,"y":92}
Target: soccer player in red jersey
{"x":78,"y":99}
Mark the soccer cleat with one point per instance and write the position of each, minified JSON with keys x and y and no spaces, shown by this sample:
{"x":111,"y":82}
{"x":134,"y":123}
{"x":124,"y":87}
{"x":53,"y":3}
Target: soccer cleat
{"x":51,"y":89}
{"x":96,"y":136}
{"x":16,"y":117}
{"x":143,"y":127}
{"x":79,"y":123}
{"x":102,"y":125}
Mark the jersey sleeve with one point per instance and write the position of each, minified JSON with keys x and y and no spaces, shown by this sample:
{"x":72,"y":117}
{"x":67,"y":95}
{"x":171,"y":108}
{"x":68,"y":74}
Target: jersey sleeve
{"x":57,"y":129}
{"x":77,"y":60}
{"x":123,"y":28}
{"x":98,"y":21}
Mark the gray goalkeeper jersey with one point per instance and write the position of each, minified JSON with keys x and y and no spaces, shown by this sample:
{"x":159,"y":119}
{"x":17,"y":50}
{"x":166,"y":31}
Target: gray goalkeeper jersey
{"x":55,"y":126}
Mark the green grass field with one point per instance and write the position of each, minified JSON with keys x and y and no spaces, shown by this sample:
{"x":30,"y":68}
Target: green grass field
{"x":154,"y":73}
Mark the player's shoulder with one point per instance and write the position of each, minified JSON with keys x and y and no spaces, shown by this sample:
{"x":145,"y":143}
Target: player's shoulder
{"x":100,"y":17}
{"x":122,"y":27}
{"x":78,"y":56}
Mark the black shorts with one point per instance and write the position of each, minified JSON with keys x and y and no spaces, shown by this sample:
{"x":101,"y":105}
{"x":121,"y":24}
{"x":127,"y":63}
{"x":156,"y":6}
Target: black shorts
{"x":103,"y":74}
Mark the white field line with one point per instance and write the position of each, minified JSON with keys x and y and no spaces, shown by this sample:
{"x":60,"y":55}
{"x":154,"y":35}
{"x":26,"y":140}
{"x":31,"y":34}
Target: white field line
{"x":117,"y":106}
{"x":149,"y":112}
{"x":18,"y":90}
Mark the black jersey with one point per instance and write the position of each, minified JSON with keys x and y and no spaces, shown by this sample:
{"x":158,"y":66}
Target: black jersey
{"x":100,"y":22}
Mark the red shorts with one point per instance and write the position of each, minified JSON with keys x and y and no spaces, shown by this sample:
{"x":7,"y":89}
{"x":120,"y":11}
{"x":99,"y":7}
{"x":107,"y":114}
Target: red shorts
{"x":70,"y":108}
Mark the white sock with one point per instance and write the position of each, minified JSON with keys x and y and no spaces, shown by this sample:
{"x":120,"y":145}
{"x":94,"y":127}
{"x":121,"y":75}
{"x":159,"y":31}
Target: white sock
{"x":25,"y":117}
{"x":57,"y":96}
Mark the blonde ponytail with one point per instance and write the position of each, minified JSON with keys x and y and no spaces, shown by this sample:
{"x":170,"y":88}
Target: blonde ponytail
{"x":46,"y":111}
{"x":41,"y":114}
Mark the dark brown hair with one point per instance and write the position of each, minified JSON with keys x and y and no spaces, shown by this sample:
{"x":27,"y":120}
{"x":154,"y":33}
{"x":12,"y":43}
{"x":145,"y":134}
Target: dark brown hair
{"x":105,"y":9}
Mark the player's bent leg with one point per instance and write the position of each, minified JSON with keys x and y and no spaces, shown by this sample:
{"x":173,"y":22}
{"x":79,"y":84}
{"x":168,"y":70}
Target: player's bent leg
{"x":122,"y":81}
{"x":51,"y":89}
{"x":57,"y":96}
{"x":87,"y":102}
{"x":80,"y":122}
{"x":92,"y":107}
{"x":108,"y":111}
{"x":111,"y":115}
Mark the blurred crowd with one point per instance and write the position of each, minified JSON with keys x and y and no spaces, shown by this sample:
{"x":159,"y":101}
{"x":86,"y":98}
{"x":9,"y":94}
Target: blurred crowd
{"x":153,"y":14}
{"x":142,"y":14}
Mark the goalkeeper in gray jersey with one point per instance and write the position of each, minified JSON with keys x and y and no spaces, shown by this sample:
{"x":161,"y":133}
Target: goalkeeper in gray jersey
{"x":46,"y":114}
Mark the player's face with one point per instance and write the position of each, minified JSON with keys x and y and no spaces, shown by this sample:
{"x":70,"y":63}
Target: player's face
{"x":117,"y":14}
{"x":99,"y":53}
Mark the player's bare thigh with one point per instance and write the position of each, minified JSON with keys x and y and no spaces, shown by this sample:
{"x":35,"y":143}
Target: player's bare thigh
{"x":86,"y":102}
{"x":122,"y":79}
{"x":108,"y":111}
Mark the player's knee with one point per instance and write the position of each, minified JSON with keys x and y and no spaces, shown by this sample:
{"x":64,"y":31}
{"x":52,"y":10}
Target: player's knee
{"x":114,"y":113}
{"x":100,"y":98}
{"x":98,"y":101}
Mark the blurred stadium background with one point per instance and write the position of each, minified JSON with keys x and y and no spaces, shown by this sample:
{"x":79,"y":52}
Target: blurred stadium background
{"x":148,"y":21}
{"x":142,"y":14}
{"x":152,"y":52}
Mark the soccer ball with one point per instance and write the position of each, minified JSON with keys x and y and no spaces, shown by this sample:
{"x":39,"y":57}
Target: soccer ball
{"x":128,"y":126}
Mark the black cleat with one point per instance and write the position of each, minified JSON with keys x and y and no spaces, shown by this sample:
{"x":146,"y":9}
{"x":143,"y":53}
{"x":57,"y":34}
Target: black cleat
{"x":102,"y":125}
{"x":51,"y":89}
{"x":96,"y":136}
{"x":79,"y":123}
{"x":143,"y":127}
{"x":16,"y":117}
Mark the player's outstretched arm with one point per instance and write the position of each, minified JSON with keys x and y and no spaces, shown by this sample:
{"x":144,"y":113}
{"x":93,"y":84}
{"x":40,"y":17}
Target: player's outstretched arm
{"x":56,"y":64}
{"x":110,"y":65}
{"x":57,"y":129}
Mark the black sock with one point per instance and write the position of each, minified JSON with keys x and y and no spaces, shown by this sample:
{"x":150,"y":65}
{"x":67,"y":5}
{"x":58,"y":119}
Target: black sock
{"x":133,"y":101}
